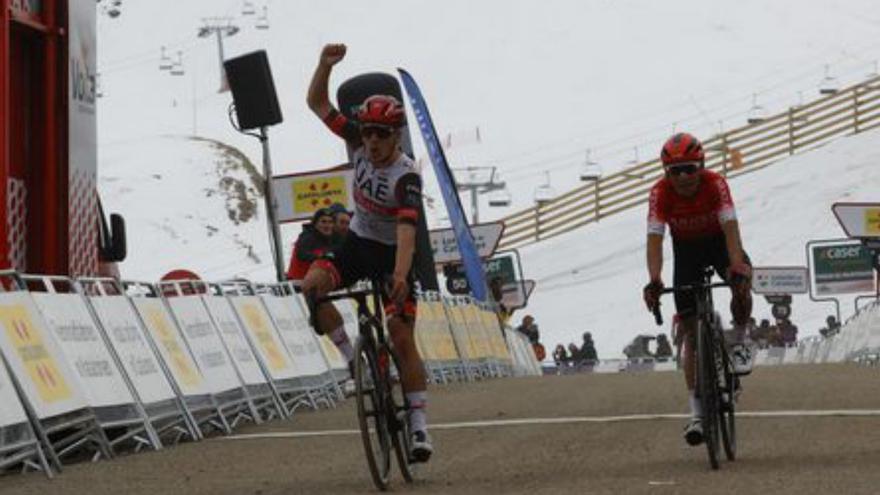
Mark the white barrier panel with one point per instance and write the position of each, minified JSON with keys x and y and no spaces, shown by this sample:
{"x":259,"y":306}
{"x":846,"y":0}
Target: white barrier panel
{"x":36,"y":359}
{"x":296,"y":334}
{"x":12,"y":412}
{"x":791,"y":355}
{"x":205,"y":344}
{"x":171,"y":346}
{"x":266,"y":341}
{"x":235,"y":340}
{"x":127,"y":338}
{"x":71,"y":323}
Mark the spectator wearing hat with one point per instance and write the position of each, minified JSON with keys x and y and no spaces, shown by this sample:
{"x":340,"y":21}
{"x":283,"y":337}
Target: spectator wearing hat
{"x":341,"y":219}
{"x":315,"y":239}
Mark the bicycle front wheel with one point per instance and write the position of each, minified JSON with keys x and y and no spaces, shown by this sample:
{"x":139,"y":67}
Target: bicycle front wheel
{"x":372,"y":413}
{"x":727,"y":409}
{"x":707,"y":383}
{"x":398,"y":408}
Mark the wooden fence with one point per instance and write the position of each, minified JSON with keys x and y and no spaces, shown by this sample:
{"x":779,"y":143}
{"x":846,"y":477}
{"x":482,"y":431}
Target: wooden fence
{"x":740,"y":151}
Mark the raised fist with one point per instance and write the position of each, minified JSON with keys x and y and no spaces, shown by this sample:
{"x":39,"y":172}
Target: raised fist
{"x":332,"y":54}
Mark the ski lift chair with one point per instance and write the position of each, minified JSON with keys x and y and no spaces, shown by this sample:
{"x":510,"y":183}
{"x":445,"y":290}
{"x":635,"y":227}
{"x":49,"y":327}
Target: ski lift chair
{"x":829,"y":84}
{"x":165,"y":62}
{"x":263,"y":20}
{"x":500,"y":198}
{"x":757,"y":113}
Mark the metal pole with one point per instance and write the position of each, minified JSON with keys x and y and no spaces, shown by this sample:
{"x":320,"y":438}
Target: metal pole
{"x":274,"y":231}
{"x":475,"y":206}
{"x":224,"y":85}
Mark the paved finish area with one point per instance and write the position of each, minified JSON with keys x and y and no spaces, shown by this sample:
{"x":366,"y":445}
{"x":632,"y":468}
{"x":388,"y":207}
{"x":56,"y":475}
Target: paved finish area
{"x":786,"y":454}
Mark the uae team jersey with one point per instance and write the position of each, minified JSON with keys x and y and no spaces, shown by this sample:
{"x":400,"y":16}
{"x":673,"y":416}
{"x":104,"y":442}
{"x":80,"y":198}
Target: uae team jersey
{"x":383,"y":196}
{"x":693,"y":218}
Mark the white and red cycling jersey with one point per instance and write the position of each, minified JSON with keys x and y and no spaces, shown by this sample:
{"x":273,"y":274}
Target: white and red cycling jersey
{"x":383,"y":196}
{"x":691,"y":218}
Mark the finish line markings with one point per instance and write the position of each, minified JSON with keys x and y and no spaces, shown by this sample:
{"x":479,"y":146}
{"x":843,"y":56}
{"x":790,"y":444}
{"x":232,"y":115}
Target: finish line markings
{"x":570,"y":420}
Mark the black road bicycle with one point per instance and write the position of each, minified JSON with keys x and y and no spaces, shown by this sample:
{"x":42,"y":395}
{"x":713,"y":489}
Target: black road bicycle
{"x":381,"y":402}
{"x":717,"y":384}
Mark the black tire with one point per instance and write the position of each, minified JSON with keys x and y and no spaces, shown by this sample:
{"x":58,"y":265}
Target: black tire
{"x":727,"y":409}
{"x":371,"y":413}
{"x":398,"y":422}
{"x":707,"y":384}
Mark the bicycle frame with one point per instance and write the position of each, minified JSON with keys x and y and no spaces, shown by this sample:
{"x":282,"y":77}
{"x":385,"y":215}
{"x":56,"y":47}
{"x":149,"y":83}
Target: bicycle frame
{"x":374,"y":387}
{"x":713,"y":370}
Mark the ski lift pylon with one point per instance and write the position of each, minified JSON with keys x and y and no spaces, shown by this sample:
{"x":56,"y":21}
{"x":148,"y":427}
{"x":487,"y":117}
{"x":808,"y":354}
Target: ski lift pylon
{"x":248,"y":8}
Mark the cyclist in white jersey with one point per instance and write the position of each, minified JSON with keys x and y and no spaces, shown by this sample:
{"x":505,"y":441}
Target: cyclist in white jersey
{"x":381,"y":239}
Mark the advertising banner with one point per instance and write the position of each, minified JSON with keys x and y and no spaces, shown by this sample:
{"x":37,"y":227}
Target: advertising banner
{"x":472,"y":266}
{"x":841,"y":268}
{"x":127,"y":338}
{"x":171,"y":346}
{"x":299,"y":196}
{"x":486,"y":237}
{"x":859,"y":220}
{"x":71,"y":323}
{"x":35,"y":358}
{"x":780,"y":280}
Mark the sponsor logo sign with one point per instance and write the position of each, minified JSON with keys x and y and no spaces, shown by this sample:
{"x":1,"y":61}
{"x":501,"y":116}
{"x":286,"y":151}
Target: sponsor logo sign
{"x":298,"y":197}
{"x":842,"y":268}
{"x":859,"y":220}
{"x":780,"y":280}
{"x":28,"y":343}
{"x":445,"y":247}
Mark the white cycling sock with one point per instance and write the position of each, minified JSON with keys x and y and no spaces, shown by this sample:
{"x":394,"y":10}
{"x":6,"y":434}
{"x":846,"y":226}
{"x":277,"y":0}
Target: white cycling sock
{"x":696,"y":409}
{"x":418,"y":401}
{"x":340,"y":339}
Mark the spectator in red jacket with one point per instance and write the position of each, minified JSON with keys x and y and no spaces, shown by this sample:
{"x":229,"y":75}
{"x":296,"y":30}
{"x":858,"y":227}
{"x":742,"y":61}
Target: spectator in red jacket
{"x":315,"y":239}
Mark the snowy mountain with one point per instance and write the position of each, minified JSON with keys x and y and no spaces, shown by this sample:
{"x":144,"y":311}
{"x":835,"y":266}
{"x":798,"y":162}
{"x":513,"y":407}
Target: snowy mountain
{"x":541,"y":82}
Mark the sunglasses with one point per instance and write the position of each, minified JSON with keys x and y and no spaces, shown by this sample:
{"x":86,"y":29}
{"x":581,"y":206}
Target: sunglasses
{"x":380,"y":132}
{"x":683,"y":168}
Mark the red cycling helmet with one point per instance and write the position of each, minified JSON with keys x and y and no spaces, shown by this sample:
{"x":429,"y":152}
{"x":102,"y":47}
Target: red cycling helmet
{"x":381,"y":110}
{"x":680,"y":148}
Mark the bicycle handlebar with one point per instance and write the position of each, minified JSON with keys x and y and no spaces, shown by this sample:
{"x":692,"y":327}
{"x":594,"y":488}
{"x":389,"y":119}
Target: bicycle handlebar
{"x":658,"y":317}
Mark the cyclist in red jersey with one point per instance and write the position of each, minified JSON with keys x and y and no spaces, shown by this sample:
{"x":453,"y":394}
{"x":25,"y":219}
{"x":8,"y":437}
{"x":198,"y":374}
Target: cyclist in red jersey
{"x":697,"y":206}
{"x":380,"y":243}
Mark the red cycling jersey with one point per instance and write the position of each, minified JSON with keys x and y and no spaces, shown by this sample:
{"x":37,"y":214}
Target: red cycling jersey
{"x":697,"y":217}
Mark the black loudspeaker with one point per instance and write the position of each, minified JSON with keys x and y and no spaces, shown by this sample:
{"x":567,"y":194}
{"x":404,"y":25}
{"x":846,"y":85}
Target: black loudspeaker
{"x":253,"y":91}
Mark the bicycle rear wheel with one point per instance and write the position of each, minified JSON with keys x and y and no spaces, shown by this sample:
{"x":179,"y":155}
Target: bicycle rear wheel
{"x":372,"y":413}
{"x":398,"y":409}
{"x":727,"y":409}
{"x":707,"y":383}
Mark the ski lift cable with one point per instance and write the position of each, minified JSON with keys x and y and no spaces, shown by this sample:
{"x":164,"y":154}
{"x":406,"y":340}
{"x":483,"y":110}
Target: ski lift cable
{"x":565,"y":159}
{"x":726,"y":103}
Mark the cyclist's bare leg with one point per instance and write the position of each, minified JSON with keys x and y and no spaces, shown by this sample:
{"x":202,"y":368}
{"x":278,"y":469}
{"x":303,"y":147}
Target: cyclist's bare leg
{"x":402,"y":336}
{"x":331,"y":324}
{"x":689,"y":331}
{"x":414,"y":383}
{"x":328,"y":318}
{"x":317,"y":281}
{"x":740,"y":307}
